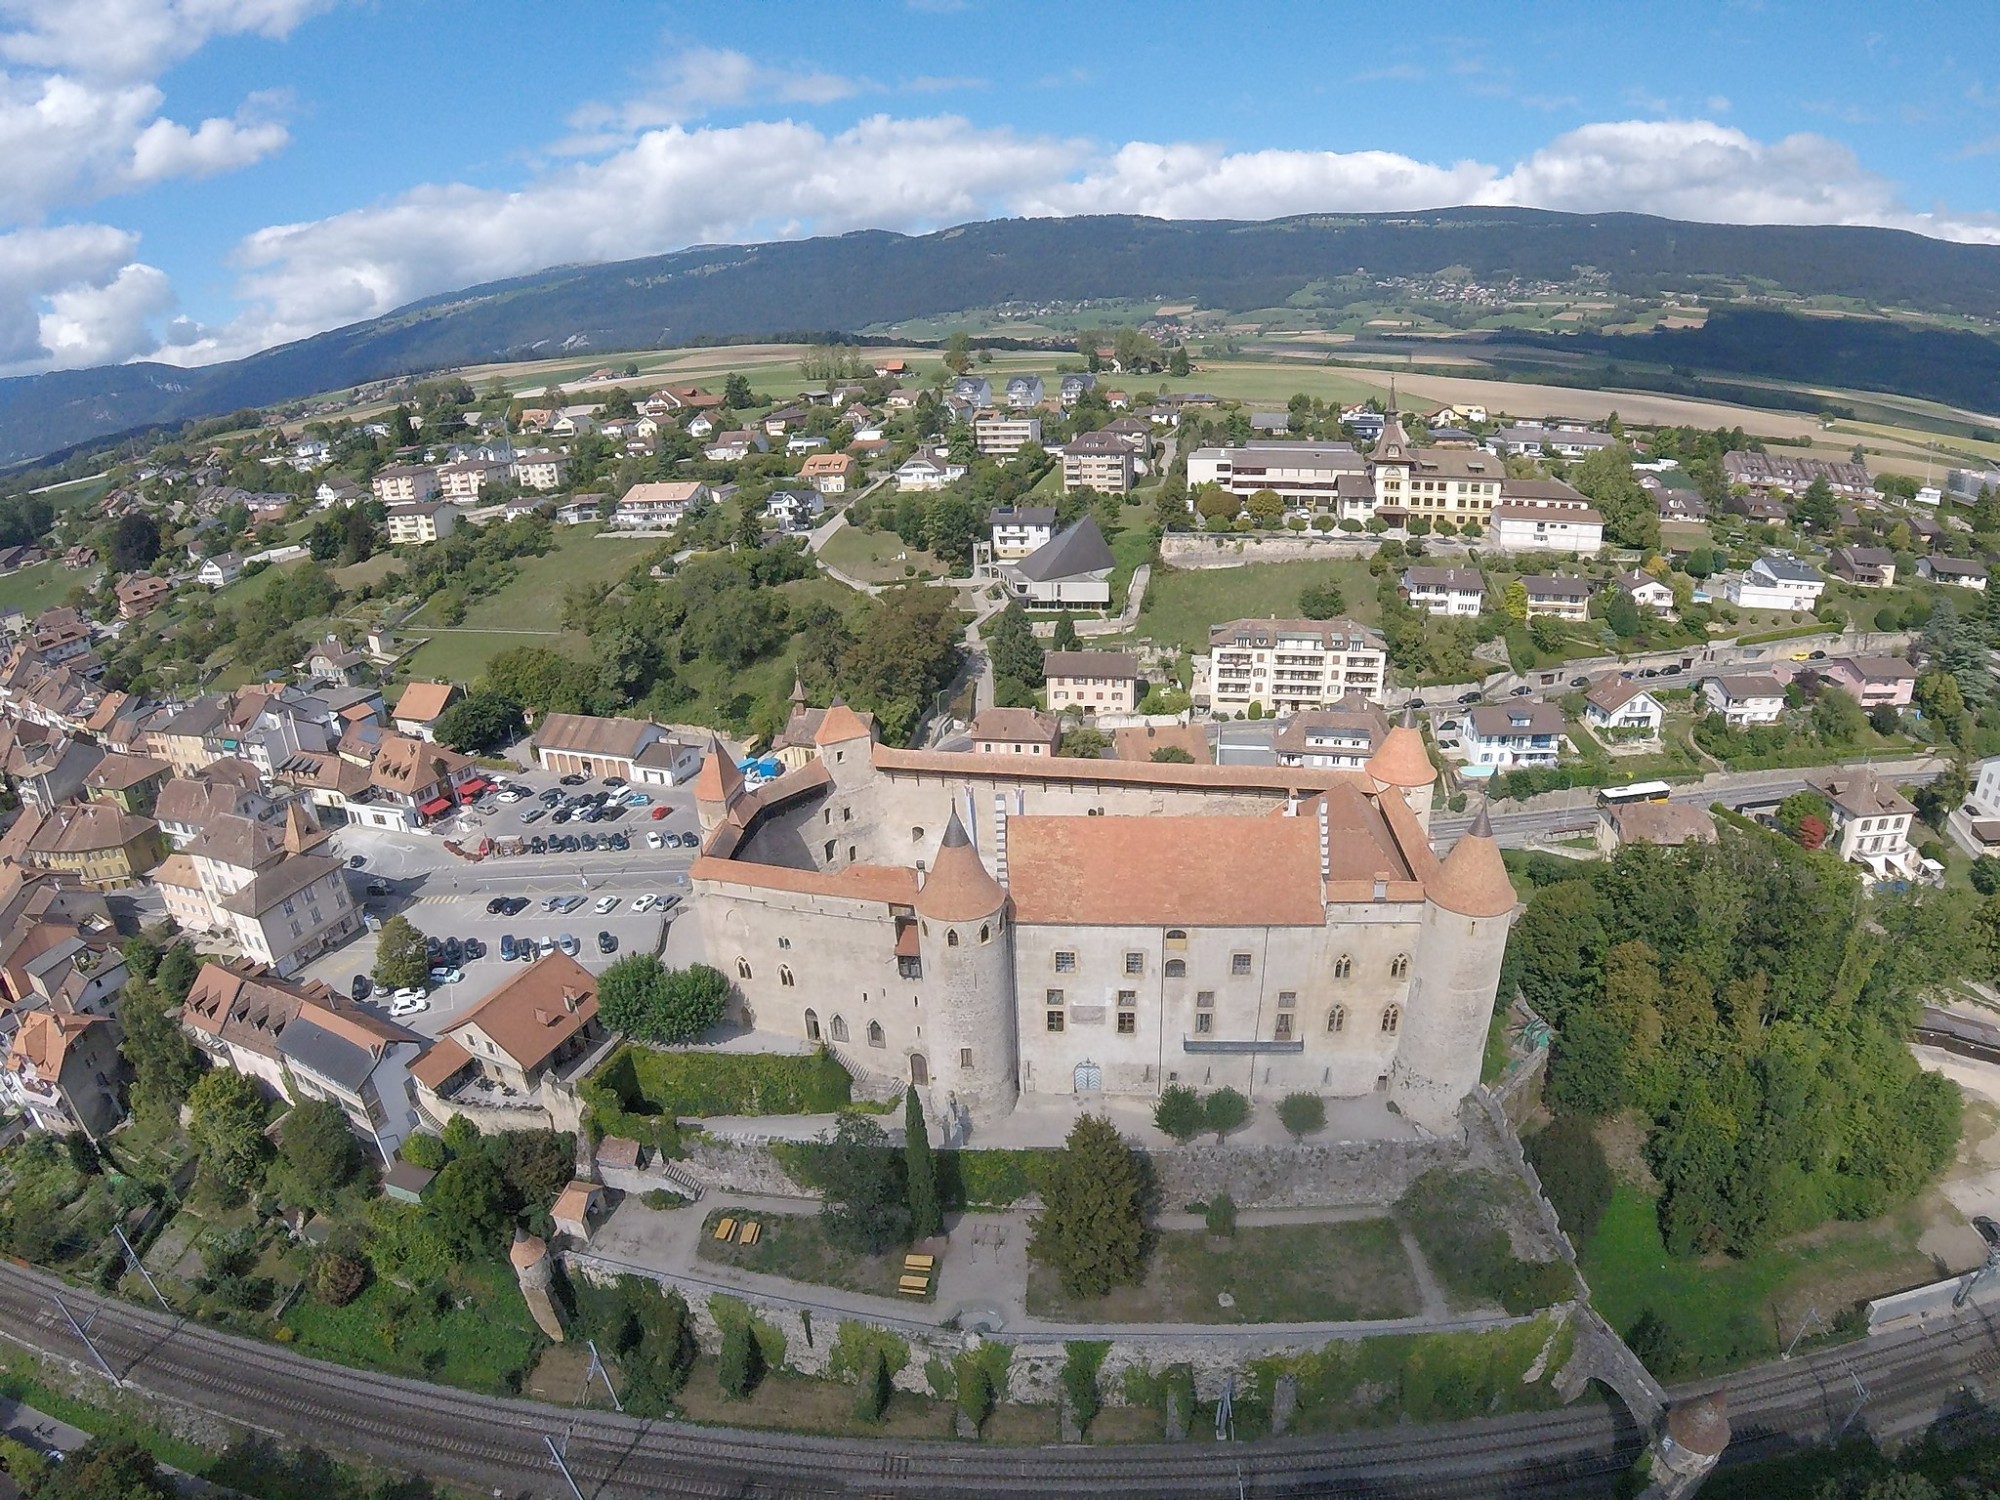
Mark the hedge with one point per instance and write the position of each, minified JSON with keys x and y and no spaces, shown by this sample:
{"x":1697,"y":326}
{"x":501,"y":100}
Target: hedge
{"x":965,"y":1178}
{"x":644,"y":1089}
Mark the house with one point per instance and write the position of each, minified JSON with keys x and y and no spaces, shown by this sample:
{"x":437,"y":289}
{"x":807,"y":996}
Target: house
{"x":412,"y":782}
{"x":1744,"y":699}
{"x":1445,"y":591}
{"x":1621,"y":705}
{"x":220,"y":571}
{"x":640,"y":751}
{"x":140,"y":594}
{"x":1871,"y":823}
{"x":1679,"y":505}
{"x":1019,"y":530}
{"x":1071,"y":571}
{"x":574,"y":421}
{"x":417,"y":711}
{"x":976,"y":390}
{"x":797,"y":744}
{"x":1548,"y":442}
{"x":1646,"y":591}
{"x":1000,"y":434}
{"x":1959,"y":572}
{"x":1782,"y":473}
{"x":132,"y":782}
{"x":889,"y":369}
{"x":1024,"y":392}
{"x":1561,"y":598}
{"x":1872,"y":681}
{"x":99,"y":843}
{"x":1521,"y":733}
{"x":541,"y":469}
{"x":780,"y":419}
{"x":1287,"y":666}
{"x":1014,"y":731}
{"x":575,"y":1206}
{"x":584,"y":510}
{"x":537,"y":1023}
{"x":1345,"y":735}
{"x":333,"y":660}
{"x":1775,"y":581}
{"x":64,"y":1073}
{"x":1665,"y":824}
{"x":404,"y":484}
{"x":734,"y":447}
{"x":795,"y":510}
{"x":1098,"y":682}
{"x":1070,"y":389}
{"x":659,"y":505}
{"x":927,"y":471}
{"x":1864,"y":567}
{"x":1100,"y":461}
{"x":422,"y":522}
{"x":1546,"y":528}
{"x":801,"y":443}
{"x":829,"y":473}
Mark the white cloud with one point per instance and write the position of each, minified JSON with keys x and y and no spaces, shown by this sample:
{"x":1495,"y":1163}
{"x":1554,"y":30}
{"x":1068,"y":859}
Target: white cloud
{"x":165,"y":149}
{"x":701,"y":80}
{"x":108,"y":323}
{"x":133,"y":39}
{"x":74,"y":295}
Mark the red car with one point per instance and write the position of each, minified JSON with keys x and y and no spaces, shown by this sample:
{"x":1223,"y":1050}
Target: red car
{"x":659,"y":812}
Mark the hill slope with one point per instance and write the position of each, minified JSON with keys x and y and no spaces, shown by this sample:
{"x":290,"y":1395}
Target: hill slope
{"x":876,"y":277}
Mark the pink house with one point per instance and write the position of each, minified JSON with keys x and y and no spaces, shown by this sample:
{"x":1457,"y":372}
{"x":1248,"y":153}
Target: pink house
{"x":1873,"y":680}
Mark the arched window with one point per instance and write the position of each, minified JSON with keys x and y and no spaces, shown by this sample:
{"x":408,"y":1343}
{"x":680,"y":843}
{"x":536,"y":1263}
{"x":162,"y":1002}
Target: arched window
{"x":1336,"y":1019}
{"x":837,"y":1029}
{"x":742,"y":968}
{"x":985,"y":934}
{"x":875,"y":1037}
{"x":951,"y":937}
{"x":785,"y":975}
{"x":916,"y":835}
{"x":812,"y":1025}
{"x":1392,"y":1017}
{"x":1399,"y":966}
{"x":1176,"y":939}
{"x":1343,"y":966}
{"x":1176,"y":968}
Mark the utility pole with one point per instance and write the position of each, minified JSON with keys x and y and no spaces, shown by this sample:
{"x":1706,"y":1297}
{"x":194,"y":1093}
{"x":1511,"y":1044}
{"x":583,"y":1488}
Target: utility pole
{"x":1986,"y":1268}
{"x":133,"y":1262}
{"x":556,"y":1458}
{"x":1225,"y":1413}
{"x":598,"y":1371}
{"x":1860,"y":1400}
{"x":82,"y":1331}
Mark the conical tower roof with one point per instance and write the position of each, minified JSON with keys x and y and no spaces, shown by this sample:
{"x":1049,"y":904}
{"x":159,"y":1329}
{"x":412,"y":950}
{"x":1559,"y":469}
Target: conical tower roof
{"x":1401,"y":760}
{"x":718,"y":779}
{"x":1473,"y":881}
{"x":958,"y":889}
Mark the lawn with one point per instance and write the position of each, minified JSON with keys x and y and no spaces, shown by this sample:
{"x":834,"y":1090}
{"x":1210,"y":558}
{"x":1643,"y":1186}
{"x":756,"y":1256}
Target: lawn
{"x":877,"y":556}
{"x":795,"y":1246}
{"x":32,"y":590}
{"x":460,"y":655}
{"x":475,"y":1333}
{"x":1181,"y":604}
{"x":1277,"y":1273}
{"x":533,"y":599}
{"x":1737,"y":1312}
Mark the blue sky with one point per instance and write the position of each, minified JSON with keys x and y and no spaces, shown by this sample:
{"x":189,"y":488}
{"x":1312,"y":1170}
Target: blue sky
{"x":194,"y":179}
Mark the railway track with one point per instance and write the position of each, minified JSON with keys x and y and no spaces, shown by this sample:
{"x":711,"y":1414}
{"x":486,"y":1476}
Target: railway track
{"x":499,"y":1444}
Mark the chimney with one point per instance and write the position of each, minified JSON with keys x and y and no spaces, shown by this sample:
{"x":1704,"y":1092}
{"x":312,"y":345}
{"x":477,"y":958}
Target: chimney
{"x":571,"y":999}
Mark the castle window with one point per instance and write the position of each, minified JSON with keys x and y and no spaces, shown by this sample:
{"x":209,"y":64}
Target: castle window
{"x":784,"y":942}
{"x":785,"y":975}
{"x":1128,"y":1022}
{"x":965,"y":1057}
{"x":1135,"y":963}
{"x":847,"y":815}
{"x":1065,"y":962}
{"x":916,"y":835}
{"x":951,"y":937}
{"x":1239,"y":963}
{"x":850,"y":851}
{"x":1343,"y":966}
{"x":1284,"y":1031}
{"x":985,"y":934}
{"x":875,"y":1036}
{"x":1204,"y":999}
{"x":1399,"y":966}
{"x":1392,"y":1017}
{"x":1336,"y":1019}
{"x":1204,"y":1022}
{"x":1176,"y":968}
{"x":829,"y":851}
{"x":837,"y":1029}
{"x":742,"y":968}
{"x":812,"y":1025}
{"x":1287,"y":999}
{"x":1054,"y":1020}
{"x":1176,"y":940}
{"x":1053,"y":997}
{"x":826,"y":816}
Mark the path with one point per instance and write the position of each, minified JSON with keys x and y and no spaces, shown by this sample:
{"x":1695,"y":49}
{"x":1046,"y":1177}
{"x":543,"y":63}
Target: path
{"x":1135,"y":598}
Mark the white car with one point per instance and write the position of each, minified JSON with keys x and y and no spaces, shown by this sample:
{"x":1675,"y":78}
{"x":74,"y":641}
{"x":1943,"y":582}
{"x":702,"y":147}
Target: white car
{"x":544,"y":947}
{"x":654,"y":841}
{"x":605,"y":904}
{"x":445,"y":975}
{"x":568,"y":943}
{"x":408,"y":1002}
{"x":510,"y":795}
{"x":644,"y":903}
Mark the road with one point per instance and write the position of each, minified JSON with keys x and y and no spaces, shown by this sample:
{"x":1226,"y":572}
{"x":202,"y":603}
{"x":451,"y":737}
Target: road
{"x":1907,"y":1377}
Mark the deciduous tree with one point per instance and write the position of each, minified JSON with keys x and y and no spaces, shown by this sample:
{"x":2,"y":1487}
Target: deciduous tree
{"x":401,"y":961}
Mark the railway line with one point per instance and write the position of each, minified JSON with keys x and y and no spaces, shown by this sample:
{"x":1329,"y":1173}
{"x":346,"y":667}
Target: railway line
{"x":1896,"y":1381}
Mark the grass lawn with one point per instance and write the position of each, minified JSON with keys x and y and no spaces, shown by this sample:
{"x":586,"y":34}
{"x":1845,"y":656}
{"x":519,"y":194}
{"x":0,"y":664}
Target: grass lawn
{"x":788,"y":1402}
{"x":78,"y":492}
{"x":371,"y":569}
{"x":32,"y":590}
{"x":1182,"y":603}
{"x":795,"y":1246}
{"x":255,"y":586}
{"x":477,"y":1336}
{"x":877,"y":556}
{"x":1737,"y":1312}
{"x":1277,"y":1273}
{"x":533,"y":599}
{"x":461,"y":655}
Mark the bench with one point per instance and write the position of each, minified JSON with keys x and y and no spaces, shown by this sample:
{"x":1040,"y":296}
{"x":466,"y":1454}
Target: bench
{"x":919,"y":1262}
{"x":914,"y":1286}
{"x":747,"y":1235}
{"x":726,"y":1230}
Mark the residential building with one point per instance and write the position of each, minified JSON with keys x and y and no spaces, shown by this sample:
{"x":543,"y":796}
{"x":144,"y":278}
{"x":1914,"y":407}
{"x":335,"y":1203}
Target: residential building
{"x":465,"y":479}
{"x":1070,"y":389}
{"x":1871,"y":823}
{"x":1744,"y":699}
{"x":132,"y":782}
{"x":541,"y":469}
{"x":829,"y":473}
{"x":657,"y":506}
{"x":1097,"y":461}
{"x":999,"y":434}
{"x":412,"y":782}
{"x":1665,"y":824}
{"x":64,"y":1073}
{"x":425,"y":521}
{"x":1536,"y":441}
{"x":421,"y":705}
{"x":1024,"y":392}
{"x":795,"y":510}
{"x":734,"y":447}
{"x":1561,"y":598}
{"x":1621,"y":706}
{"x":1872,"y":681}
{"x":1072,"y":571}
{"x":404,"y":484}
{"x":1287,"y":666}
{"x":1524,"y":732}
{"x":1328,"y":477}
{"x":140,"y":594}
{"x":1787,"y":474}
{"x":1019,"y":530}
{"x":1864,"y":567}
{"x":99,"y":843}
{"x":1098,"y":682}
{"x":1964,"y":485}
{"x":1775,"y":581}
{"x":219,"y":571}
{"x":1539,"y":527}
{"x":638,"y":750}
{"x":584,"y":510}
{"x":926,"y":471}
{"x":1015,"y":731}
{"x":975,"y":390}
{"x":1445,"y":591}
{"x":1646,"y":591}
{"x":1345,"y":736}
{"x":538,"y":1023}
{"x":1959,"y":572}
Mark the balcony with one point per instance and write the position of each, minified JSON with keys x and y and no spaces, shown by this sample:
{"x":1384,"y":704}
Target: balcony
{"x":1202,"y":1044}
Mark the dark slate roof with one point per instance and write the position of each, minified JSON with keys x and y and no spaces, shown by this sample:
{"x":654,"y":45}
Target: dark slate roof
{"x":1081,"y":549}
{"x":319,"y":1051}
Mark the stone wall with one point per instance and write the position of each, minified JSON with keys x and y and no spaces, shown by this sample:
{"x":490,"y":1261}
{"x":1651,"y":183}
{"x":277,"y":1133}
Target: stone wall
{"x":726,"y":1166}
{"x":1182,"y":549}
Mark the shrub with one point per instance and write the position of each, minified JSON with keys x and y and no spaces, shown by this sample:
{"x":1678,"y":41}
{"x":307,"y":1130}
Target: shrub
{"x":1221,"y":1214}
{"x":1082,"y":1359}
{"x":1179,"y":1113}
{"x":425,"y":1151}
{"x":661,"y":1199}
{"x":975,"y":1391}
{"x":337,"y":1279}
{"x":1574,"y":1174}
{"x":1657,"y":1345}
{"x":740,"y":1366}
{"x":1302,"y":1114}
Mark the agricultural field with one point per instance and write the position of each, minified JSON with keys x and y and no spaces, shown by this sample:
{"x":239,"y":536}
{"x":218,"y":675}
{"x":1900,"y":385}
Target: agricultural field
{"x":46,"y":584}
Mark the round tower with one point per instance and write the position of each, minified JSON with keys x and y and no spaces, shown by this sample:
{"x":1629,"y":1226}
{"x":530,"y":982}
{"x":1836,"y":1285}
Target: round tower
{"x":1469,"y":907}
{"x":1401,"y":764}
{"x":971,"y":1053}
{"x":716,"y":787}
{"x":534,"y":1269}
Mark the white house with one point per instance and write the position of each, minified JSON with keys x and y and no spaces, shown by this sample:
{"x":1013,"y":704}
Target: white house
{"x":1073,"y":571}
{"x":1646,"y":591}
{"x":1557,"y":597}
{"x":1776,"y":581}
{"x":1871,"y":823}
{"x":1751,"y":699}
{"x":1445,"y":591}
{"x":658,"y":505}
{"x":795,"y":510}
{"x":1959,"y":572}
{"x":1621,"y":704}
{"x":541,"y":469}
{"x":928,"y":471}
{"x":1546,"y":528}
{"x":1524,"y":732}
{"x":221,"y":570}
{"x":1019,"y":529}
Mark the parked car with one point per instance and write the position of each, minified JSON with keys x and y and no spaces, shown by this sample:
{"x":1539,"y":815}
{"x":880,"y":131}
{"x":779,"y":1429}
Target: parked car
{"x":516,"y":905}
{"x":474,"y":949}
{"x":433,"y":949}
{"x":510,"y":795}
{"x":655,"y":841}
{"x":661,"y":812}
{"x":619,"y":841}
{"x":552,"y":796}
{"x":588,"y":842}
{"x":568,"y":943}
{"x":605,"y":904}
{"x":506,"y":947}
{"x":356,"y":861}
{"x":645,"y":902}
{"x":574,"y":779}
{"x":544,"y":947}
{"x":496,"y":906}
{"x":550,"y":903}
{"x":454,"y":951}
{"x":1416,"y":703}
{"x":361,"y":987}
{"x":638,"y":799}
{"x":408,"y":1002}
{"x":606,"y":943}
{"x":447,"y":975}
{"x":1579,"y":682}
{"x":1522,"y":691}
{"x":560,"y":815}
{"x":537,"y":845}
{"x":532,"y":814}
{"x":614,"y":781}
{"x":668,"y":903}
{"x":1468,"y":697}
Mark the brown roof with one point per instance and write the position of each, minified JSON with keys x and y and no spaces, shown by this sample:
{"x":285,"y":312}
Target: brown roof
{"x":117,"y":773}
{"x":1701,"y":1425}
{"x":89,"y":827}
{"x":1122,"y":665}
{"x":718,"y":778}
{"x":282,"y":881}
{"x":44,"y":1039}
{"x":177,"y":870}
{"x":244,"y":1005}
{"x":437,"y":1065}
{"x":840,"y":725}
{"x":1668,"y":824}
{"x":892,"y":885}
{"x":1862,"y":794}
{"x":588,"y":734}
{"x":405,"y":763}
{"x":1021,"y":724}
{"x":423,"y":701}
{"x":1472,"y":880}
{"x":573,"y":1202}
{"x":958,"y":889}
{"x":1613,"y":693}
{"x":1750,"y":686}
{"x":1402,"y":761}
{"x":536,"y":1011}
{"x":1140,"y":741}
{"x":1140,"y":773}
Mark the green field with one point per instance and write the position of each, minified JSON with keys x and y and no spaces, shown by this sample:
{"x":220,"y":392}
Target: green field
{"x":461,"y":655}
{"x":533,"y":601}
{"x":877,"y":556}
{"x":78,"y":492}
{"x":35,"y":589}
{"x":1181,"y":605}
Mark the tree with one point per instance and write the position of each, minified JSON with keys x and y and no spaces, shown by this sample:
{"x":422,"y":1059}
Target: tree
{"x":320,"y":1149}
{"x":919,"y":1171}
{"x":1223,"y":1111}
{"x":1065,"y":638}
{"x":1547,"y":632}
{"x":135,"y":543}
{"x":1172,"y":755}
{"x":226,"y":1125}
{"x":1091,"y":1230}
{"x":1177,"y":362}
{"x":1321,"y":601}
{"x":1015,"y":652}
{"x":1574,"y":1174}
{"x":1302,"y":1115}
{"x":1514,"y":601}
{"x":1985,"y":874}
{"x":740,"y":1365}
{"x":467,"y":1205}
{"x":176,"y":974}
{"x":1266,"y":507}
{"x":106,"y":1469}
{"x":165,"y":1063}
{"x":736,"y":392}
{"x":1630,"y":517}
{"x":871,"y":1396}
{"x":864,"y":1205}
{"x":480,"y":721}
{"x":1083,"y":743}
{"x":1179,"y":1113}
{"x":1621,"y":613}
{"x":337,"y":1278}
{"x":1818,"y":509}
{"x":1837,"y":718}
{"x":951,"y":526}
{"x":401,"y":961}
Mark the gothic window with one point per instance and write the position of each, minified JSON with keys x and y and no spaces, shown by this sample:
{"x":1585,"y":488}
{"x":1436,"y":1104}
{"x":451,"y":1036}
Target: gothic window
{"x":1392,"y":1017}
{"x":1176,"y":968}
{"x":985,"y":934}
{"x":1399,"y":966}
{"x":742,"y":968}
{"x":838,"y":1029}
{"x":951,"y":937}
{"x":1343,"y":966}
{"x":875,"y":1037}
{"x":1336,"y":1019}
{"x":812,"y":1025}
{"x":785,"y":975}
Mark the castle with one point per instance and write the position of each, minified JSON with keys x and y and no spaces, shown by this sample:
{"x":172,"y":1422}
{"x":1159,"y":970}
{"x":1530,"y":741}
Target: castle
{"x":983,"y":927}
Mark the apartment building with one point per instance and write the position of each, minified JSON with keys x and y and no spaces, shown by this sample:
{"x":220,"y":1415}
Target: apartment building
{"x":1098,"y":461}
{"x":1287,"y":666}
{"x":1002,"y":434}
{"x":426,"y":521}
{"x":404,"y":484}
{"x":466,"y":478}
{"x":1021,"y":530}
{"x":1104,"y":682}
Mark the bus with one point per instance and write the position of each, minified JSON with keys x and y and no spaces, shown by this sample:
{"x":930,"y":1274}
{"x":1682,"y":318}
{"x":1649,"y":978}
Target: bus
{"x":1638,"y":791}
